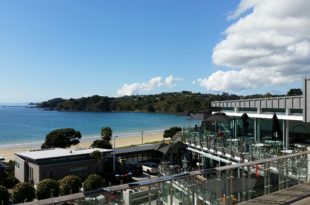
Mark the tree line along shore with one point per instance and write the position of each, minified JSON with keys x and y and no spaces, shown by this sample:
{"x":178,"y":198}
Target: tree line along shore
{"x":184,"y":102}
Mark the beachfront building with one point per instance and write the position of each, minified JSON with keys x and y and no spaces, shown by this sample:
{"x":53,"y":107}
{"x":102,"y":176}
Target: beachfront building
{"x":262,"y":155}
{"x":250,"y":129}
{"x":34,"y":166}
{"x":139,"y":153}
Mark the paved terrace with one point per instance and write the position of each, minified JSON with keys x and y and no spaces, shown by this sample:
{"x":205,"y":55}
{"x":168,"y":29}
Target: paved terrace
{"x":296,"y":195}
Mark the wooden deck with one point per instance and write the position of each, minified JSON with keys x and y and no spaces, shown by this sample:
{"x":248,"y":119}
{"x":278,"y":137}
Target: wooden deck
{"x":296,"y":195}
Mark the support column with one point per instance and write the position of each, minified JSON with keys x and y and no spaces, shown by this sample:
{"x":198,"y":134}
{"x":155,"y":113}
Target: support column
{"x":239,"y":193}
{"x":284,"y":135}
{"x":308,"y":165}
{"x":258,"y":121}
{"x":236,"y":109}
{"x":255,"y":130}
{"x":287,"y":129}
{"x":287,"y":134}
{"x":235,"y":128}
{"x":228,"y":190}
{"x":259,"y":110}
{"x":170,"y":193}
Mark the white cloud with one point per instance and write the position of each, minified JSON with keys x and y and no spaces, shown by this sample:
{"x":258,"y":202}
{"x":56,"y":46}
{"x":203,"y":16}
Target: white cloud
{"x":269,"y":45}
{"x":144,"y":87}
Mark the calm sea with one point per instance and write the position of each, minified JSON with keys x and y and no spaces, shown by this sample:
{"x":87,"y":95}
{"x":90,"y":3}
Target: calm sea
{"x":22,"y":125}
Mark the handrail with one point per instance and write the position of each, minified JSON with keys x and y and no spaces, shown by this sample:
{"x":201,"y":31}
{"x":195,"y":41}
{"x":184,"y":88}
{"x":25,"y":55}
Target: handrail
{"x":199,"y":172}
{"x":251,"y":99}
{"x":132,"y":185}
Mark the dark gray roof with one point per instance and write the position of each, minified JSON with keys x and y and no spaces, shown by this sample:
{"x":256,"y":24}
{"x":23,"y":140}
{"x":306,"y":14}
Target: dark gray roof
{"x":3,"y":166}
{"x":139,"y":148}
{"x":170,"y":148}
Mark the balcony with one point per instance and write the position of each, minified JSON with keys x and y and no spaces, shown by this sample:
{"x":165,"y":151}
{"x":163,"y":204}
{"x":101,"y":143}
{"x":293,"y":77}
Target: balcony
{"x":227,"y":185}
{"x":236,"y":149}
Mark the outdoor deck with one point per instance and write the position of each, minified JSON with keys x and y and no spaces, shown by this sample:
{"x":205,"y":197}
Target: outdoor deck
{"x":296,"y":195}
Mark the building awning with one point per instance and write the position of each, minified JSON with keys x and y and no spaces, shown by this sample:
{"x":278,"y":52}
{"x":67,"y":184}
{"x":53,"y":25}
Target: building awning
{"x":266,"y":116}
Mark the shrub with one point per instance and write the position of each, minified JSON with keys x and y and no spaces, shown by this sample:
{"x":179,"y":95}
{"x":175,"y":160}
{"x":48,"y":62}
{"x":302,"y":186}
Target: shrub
{"x":69,"y":185}
{"x":10,"y":181}
{"x":101,"y":144}
{"x":93,"y":181}
{"x":23,"y":192}
{"x":169,"y":133}
{"x":47,"y":188}
{"x":4,"y":195}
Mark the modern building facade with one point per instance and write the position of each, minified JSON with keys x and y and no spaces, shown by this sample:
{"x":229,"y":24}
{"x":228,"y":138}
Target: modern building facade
{"x":34,"y":166}
{"x":257,"y":163}
{"x":138,"y":153}
{"x":293,"y":113}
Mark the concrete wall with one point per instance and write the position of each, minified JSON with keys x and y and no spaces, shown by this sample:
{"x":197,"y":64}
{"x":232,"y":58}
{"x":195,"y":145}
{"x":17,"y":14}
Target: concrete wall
{"x":21,"y":169}
{"x":56,"y":171}
{"x":36,"y":175}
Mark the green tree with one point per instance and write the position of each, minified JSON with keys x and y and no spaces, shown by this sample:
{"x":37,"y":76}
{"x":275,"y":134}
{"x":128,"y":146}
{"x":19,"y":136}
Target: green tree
{"x":294,"y":92}
{"x":106,"y":133}
{"x":93,"y":181}
{"x":23,"y":192}
{"x":105,"y":141}
{"x":101,"y":144}
{"x":62,"y":138}
{"x":169,"y":133}
{"x":69,"y":185}
{"x":150,"y":108}
{"x":4,"y":195}
{"x":47,"y":188}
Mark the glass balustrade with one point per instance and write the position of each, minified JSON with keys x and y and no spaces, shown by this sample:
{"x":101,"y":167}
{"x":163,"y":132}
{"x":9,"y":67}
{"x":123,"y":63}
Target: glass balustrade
{"x":224,"y":185}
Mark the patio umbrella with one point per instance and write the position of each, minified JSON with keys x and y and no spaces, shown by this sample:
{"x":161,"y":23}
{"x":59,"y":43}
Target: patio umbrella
{"x":276,"y":130}
{"x":200,"y":116}
{"x":216,"y":117}
{"x":245,"y":123}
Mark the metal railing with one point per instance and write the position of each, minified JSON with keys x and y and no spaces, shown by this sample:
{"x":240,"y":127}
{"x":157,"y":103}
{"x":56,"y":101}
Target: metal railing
{"x":238,"y":148}
{"x":221,"y":185}
{"x":292,"y":102}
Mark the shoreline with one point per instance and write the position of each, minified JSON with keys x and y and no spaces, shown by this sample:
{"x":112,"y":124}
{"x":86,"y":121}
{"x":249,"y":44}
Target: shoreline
{"x":122,"y":141}
{"x":88,"y":137}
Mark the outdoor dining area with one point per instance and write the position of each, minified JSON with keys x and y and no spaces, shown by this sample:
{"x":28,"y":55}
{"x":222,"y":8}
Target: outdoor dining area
{"x":238,"y":137}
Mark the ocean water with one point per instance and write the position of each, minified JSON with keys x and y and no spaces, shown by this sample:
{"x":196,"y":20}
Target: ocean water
{"x":23,"y":125}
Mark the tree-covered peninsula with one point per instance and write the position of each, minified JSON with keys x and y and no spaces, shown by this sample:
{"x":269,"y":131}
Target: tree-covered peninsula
{"x":184,"y":102}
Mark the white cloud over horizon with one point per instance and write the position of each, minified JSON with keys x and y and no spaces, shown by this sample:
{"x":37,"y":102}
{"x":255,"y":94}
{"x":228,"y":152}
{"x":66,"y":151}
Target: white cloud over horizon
{"x":144,"y":87}
{"x":267,"y":46}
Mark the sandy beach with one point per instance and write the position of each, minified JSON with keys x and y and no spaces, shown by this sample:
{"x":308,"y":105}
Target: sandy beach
{"x":8,"y":152}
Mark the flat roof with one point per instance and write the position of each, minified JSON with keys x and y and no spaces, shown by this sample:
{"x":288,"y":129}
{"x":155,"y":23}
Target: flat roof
{"x":58,"y":152}
{"x":138,"y":148}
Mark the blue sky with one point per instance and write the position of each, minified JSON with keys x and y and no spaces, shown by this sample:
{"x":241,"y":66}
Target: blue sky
{"x":77,"y":48}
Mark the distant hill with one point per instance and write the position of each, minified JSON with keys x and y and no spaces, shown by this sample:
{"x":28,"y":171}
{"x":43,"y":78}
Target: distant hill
{"x":184,"y":102}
